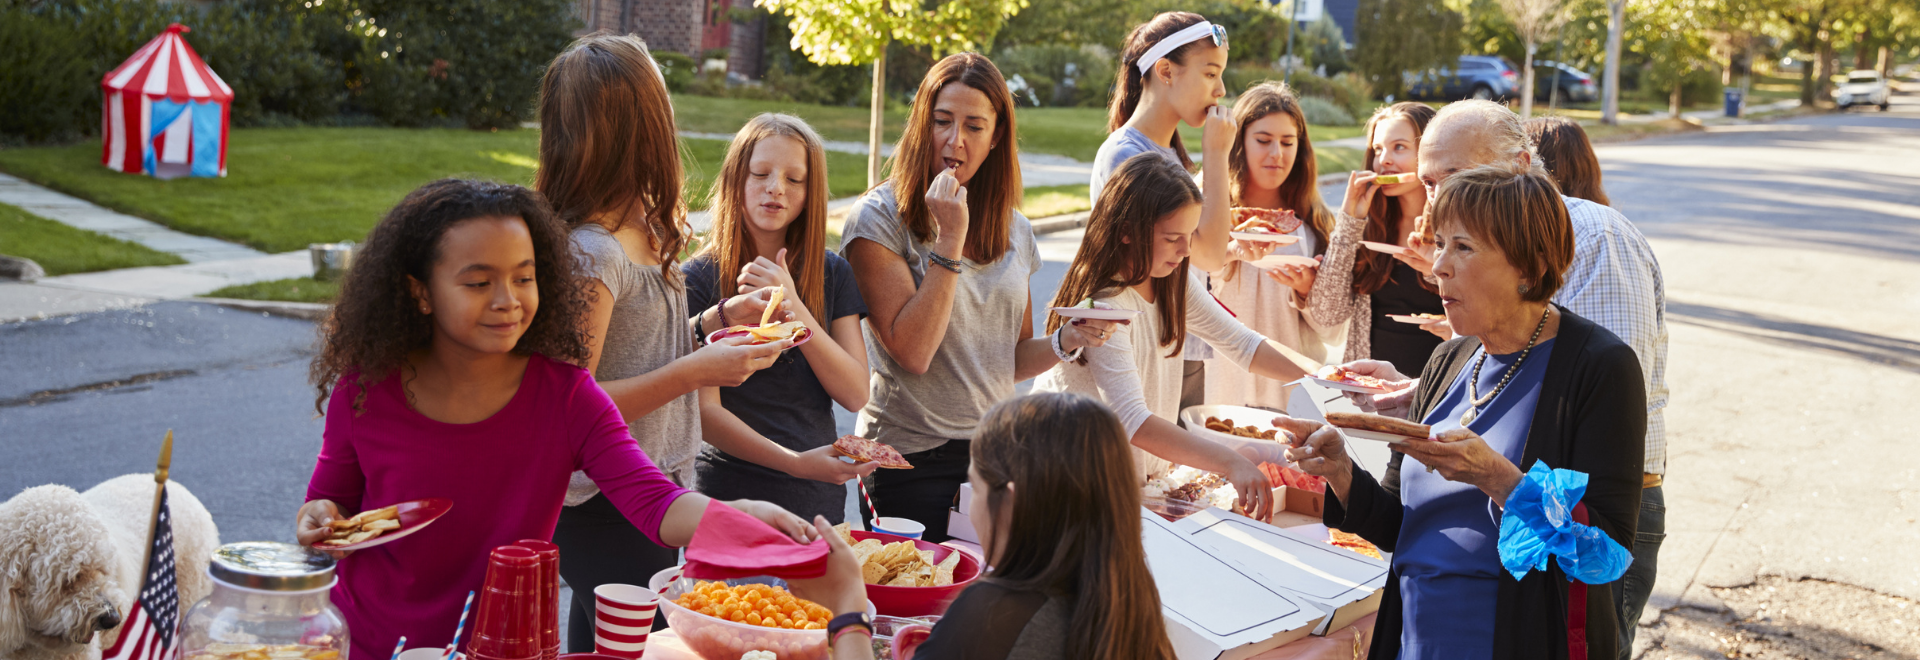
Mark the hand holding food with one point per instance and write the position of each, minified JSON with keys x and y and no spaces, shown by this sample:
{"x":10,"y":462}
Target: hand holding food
{"x":1216,"y":133}
{"x":1460,"y":455}
{"x":773,"y":273}
{"x":1256,"y":493}
{"x":824,"y":464}
{"x":752,"y":305}
{"x":729,"y":361}
{"x":1086,"y":333}
{"x":947,"y":203}
{"x":313,"y":524}
{"x":1360,"y":193}
{"x":1319,"y":450}
{"x":362,"y":527}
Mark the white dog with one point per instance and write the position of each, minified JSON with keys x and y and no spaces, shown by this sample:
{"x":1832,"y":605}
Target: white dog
{"x":71,"y":563}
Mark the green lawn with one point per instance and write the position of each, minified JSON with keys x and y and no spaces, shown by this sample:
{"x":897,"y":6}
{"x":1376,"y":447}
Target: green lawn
{"x":287,"y":188}
{"x":1043,"y":201}
{"x":296,"y":289}
{"x":61,"y":249}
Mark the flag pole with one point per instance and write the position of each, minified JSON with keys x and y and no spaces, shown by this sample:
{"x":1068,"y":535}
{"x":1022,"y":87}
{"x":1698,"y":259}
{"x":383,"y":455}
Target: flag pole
{"x":159,"y":493}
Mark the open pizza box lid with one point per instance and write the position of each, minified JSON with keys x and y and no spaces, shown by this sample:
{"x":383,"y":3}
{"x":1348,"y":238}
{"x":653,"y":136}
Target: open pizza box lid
{"x":1311,"y":401}
{"x":1215,"y":608}
{"x":1343,"y":584}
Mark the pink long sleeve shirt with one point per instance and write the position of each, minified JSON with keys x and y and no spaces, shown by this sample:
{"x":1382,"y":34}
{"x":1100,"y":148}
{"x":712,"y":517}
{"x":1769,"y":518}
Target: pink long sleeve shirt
{"x":506,"y":476}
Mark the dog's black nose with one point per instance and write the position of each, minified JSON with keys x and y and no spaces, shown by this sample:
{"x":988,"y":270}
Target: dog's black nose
{"x":107,"y":620}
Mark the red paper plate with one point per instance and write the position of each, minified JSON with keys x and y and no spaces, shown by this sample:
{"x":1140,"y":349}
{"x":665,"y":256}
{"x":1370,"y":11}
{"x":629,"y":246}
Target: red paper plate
{"x":414,"y":516}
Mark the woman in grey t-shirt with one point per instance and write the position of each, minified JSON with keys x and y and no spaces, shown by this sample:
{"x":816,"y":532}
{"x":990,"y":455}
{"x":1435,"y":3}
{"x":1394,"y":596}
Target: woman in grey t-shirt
{"x":943,"y":258}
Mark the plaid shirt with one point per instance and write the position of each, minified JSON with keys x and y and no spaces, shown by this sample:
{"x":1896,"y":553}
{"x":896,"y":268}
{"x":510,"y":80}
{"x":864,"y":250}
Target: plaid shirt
{"x":1615,"y":281}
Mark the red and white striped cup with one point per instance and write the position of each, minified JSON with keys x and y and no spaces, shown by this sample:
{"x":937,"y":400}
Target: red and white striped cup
{"x":623,"y":615}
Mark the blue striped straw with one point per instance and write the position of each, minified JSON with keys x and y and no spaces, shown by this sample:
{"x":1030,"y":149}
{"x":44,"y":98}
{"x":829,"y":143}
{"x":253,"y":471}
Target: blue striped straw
{"x":463,"y":626}
{"x":399,"y":646}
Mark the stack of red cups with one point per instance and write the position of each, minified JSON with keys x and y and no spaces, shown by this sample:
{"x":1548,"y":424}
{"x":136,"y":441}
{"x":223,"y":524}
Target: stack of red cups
{"x":549,"y":595}
{"x":508,"y":624}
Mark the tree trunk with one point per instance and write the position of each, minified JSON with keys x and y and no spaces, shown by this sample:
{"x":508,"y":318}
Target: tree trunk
{"x":1610,"y":97}
{"x":877,"y":120}
{"x":1860,"y":49}
{"x":1673,"y":100}
{"x":1810,"y":43}
{"x":1886,"y":63}
{"x":1823,"y":89}
{"x":1526,"y":86}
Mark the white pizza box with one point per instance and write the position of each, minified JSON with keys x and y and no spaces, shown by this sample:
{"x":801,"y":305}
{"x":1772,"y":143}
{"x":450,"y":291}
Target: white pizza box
{"x":960,"y":526}
{"x":1215,"y":608}
{"x":965,"y":504}
{"x":1344,"y":584}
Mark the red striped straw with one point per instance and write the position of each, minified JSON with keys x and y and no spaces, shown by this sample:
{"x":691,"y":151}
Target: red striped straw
{"x":869,"y":498}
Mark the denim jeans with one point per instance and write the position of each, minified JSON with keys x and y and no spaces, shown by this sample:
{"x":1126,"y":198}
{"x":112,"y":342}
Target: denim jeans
{"x":1631,"y":590}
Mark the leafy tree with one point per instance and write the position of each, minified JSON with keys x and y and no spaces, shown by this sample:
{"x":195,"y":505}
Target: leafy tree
{"x":1399,"y":36}
{"x":858,"y":32}
{"x":1676,"y":40}
{"x":1535,"y":21}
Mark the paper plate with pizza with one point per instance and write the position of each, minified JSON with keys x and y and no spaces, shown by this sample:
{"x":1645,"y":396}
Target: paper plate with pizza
{"x":1338,"y":378}
{"x":863,"y":450}
{"x":1368,"y":426}
{"x":768,"y":331}
{"x":1273,"y":226}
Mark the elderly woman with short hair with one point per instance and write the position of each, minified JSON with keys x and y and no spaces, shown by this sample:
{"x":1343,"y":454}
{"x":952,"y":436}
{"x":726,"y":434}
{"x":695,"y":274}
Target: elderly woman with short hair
{"x":1526,"y":385}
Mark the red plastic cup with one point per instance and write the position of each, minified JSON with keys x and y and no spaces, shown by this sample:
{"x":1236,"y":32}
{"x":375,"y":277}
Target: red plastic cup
{"x":549,"y":595}
{"x":508,"y":627}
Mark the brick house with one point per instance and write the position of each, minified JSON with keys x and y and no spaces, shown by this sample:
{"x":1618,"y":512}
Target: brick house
{"x":692,"y":27}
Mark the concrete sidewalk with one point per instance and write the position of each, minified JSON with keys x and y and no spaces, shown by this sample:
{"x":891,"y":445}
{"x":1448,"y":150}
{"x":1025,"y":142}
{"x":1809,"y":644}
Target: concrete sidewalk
{"x":79,"y":213}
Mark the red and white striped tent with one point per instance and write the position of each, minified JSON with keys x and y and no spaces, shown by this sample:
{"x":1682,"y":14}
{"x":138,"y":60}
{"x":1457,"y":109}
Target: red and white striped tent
{"x":166,"y":113}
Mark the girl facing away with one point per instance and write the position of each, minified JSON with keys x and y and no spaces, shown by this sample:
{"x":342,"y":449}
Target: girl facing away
{"x":449,"y":368}
{"x":770,"y":230}
{"x":1058,"y":514}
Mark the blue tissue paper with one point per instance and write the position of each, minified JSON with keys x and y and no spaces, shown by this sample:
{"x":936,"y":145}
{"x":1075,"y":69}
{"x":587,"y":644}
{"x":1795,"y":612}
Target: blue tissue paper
{"x":1538,"y":523}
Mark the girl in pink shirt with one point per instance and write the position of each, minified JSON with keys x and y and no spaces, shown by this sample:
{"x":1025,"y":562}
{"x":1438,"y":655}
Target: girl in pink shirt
{"x":448,"y":370}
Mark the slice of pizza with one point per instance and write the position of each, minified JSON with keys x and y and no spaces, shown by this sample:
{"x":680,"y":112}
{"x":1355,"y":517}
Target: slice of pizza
{"x":767,"y":334}
{"x":1353,"y":542}
{"x":867,"y":450}
{"x":1342,"y":375}
{"x":1379,"y":424}
{"x":1282,"y":222}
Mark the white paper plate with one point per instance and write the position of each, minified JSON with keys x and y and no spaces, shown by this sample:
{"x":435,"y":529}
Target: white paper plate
{"x":1346,"y":387}
{"x":1277,"y":260}
{"x":1376,"y":436}
{"x":1258,"y":237}
{"x":1416,"y":320}
{"x":1388,"y":248}
{"x":1095,"y":314}
{"x":1196,"y":419}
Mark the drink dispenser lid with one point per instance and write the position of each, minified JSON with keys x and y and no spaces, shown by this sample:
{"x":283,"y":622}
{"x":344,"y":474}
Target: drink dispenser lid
{"x":272,"y":566}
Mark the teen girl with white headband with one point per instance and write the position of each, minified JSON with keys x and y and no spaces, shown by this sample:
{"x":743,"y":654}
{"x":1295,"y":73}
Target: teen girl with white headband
{"x":1171,"y":71}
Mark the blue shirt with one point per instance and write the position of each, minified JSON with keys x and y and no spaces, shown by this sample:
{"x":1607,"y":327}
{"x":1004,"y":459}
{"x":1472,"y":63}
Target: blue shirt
{"x":1448,"y":560}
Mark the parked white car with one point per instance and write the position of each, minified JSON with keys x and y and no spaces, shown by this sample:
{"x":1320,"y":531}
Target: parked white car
{"x":1863,"y":87}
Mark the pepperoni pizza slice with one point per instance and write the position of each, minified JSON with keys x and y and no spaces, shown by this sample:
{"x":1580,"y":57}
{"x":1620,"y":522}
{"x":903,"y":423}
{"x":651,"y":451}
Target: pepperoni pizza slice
{"x":864,"y":450}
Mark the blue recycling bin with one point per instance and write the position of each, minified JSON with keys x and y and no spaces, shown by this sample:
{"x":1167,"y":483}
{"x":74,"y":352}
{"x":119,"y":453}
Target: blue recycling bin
{"x":1736,"y":98}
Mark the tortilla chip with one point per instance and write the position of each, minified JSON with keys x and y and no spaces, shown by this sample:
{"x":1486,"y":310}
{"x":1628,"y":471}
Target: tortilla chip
{"x":872,"y":573}
{"x":381,"y":525}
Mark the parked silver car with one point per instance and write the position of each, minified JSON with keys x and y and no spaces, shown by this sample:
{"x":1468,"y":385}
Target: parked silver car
{"x":1863,"y":87}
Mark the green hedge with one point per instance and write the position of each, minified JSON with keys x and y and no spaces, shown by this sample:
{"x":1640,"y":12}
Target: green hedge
{"x":405,"y":62}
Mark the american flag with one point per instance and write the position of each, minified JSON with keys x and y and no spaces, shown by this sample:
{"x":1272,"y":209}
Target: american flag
{"x":151,"y":631}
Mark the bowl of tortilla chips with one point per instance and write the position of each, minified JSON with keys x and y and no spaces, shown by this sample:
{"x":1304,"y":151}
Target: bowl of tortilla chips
{"x":910,"y":577}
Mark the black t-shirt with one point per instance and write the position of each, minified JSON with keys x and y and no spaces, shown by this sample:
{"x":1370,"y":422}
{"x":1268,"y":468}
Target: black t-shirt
{"x":990,"y":621}
{"x":784,"y":402}
{"x":1404,"y":344}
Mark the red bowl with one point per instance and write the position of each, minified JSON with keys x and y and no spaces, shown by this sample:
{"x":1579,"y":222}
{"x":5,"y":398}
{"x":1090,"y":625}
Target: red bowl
{"x":920,"y":601}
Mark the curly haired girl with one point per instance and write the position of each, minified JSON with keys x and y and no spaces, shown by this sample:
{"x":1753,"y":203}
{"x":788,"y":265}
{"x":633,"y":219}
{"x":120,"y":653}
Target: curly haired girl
{"x":447,"y":370}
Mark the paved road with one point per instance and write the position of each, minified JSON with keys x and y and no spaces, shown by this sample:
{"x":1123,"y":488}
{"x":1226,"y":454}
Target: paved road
{"x":1790,"y":252}
{"x":1790,"y":256}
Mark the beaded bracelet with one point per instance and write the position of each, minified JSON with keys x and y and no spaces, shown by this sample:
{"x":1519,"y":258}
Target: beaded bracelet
{"x":943,"y":262}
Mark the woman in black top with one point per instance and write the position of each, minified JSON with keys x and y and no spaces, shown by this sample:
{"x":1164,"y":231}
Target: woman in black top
{"x":1057,"y":506}
{"x":1359,"y":285}
{"x":1529,"y":386}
